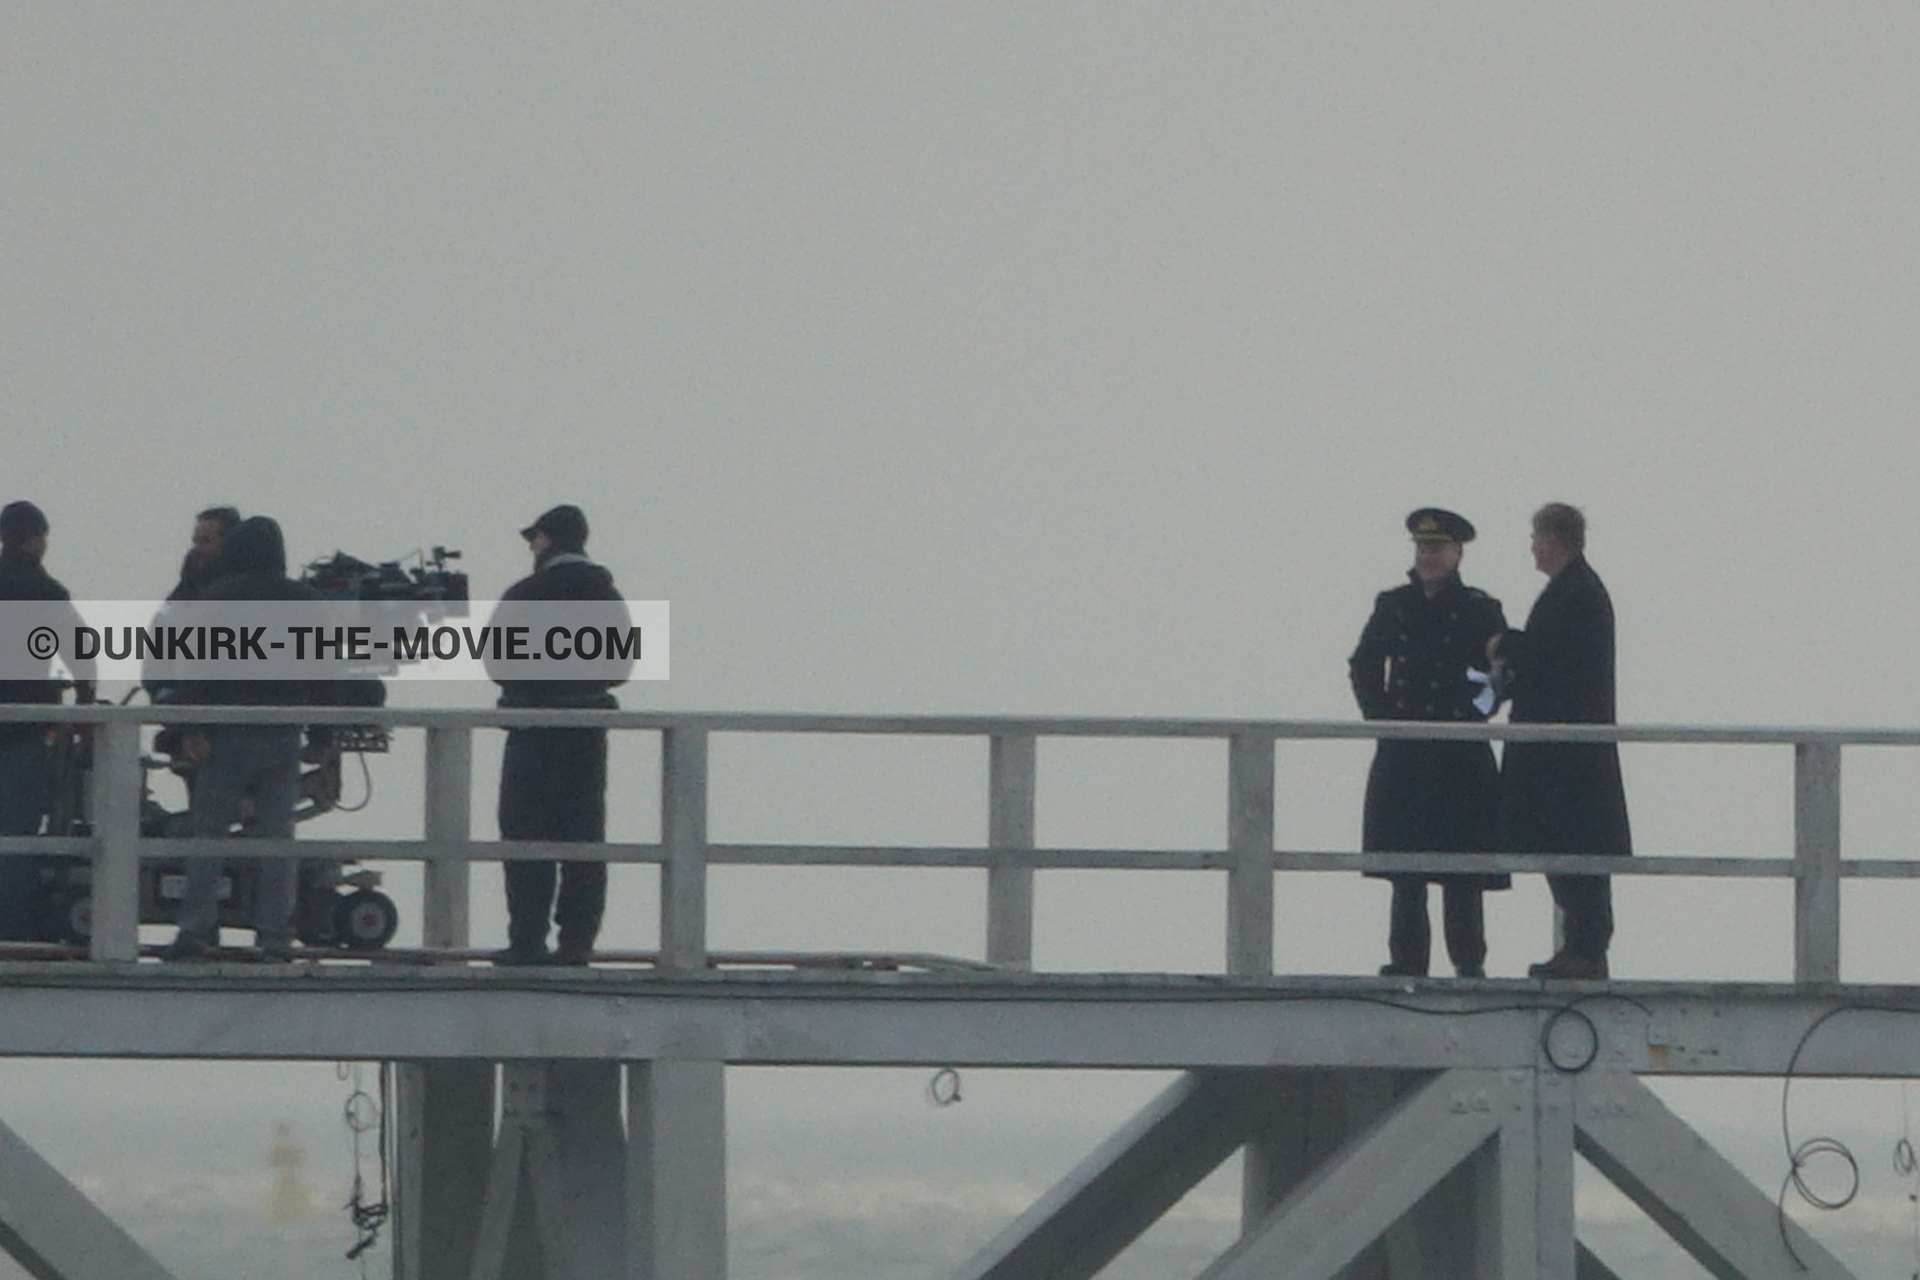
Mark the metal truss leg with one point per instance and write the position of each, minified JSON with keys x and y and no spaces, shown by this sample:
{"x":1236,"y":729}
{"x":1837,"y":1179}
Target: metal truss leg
{"x":1726,"y":1223}
{"x":1589,"y":1267}
{"x":1536,"y":1162}
{"x":1118,"y":1191}
{"x":676,"y":1184}
{"x":590,"y":1150}
{"x":445,"y":1122}
{"x":506,"y":1246}
{"x":554,"y":1203}
{"x":1309,"y":1115}
{"x":1355,"y":1196}
{"x":52,"y":1230}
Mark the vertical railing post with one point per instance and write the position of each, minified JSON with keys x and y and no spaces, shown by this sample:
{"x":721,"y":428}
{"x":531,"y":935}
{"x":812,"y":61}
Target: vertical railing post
{"x":444,"y":923}
{"x":1010,"y":781}
{"x":1250,"y":844}
{"x":1816,"y":861}
{"x":683,"y":845}
{"x":116,"y":824}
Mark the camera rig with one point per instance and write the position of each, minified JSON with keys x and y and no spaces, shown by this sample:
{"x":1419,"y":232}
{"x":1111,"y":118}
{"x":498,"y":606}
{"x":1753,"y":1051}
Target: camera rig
{"x":428,"y":581}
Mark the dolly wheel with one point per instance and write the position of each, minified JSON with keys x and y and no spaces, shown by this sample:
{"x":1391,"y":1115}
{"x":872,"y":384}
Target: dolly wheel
{"x":76,"y":922}
{"x":365,"y":920}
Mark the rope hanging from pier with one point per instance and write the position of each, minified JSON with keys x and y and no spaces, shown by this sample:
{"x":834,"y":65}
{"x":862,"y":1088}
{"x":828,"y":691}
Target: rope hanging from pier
{"x":364,"y":1115}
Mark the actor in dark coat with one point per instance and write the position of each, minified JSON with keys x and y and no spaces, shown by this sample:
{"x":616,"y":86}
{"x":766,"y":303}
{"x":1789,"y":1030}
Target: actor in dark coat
{"x":26,"y":778}
{"x":1566,"y":797}
{"x":1413,"y":663}
{"x":553,"y":781}
{"x":240,"y":763}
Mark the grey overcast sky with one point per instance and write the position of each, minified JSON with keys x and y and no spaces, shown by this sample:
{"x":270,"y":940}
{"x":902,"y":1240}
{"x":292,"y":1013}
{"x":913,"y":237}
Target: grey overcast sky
{"x":1061,"y":357}
{"x":1075,"y":357}
{"x":1064,"y":358}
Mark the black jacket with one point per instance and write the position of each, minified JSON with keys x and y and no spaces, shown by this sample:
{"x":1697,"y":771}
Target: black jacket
{"x":561,"y":575}
{"x":1564,"y":797}
{"x":1411,"y":664}
{"x":195,"y":575}
{"x":252,"y":566}
{"x":1562,"y":664}
{"x":26,"y":579}
{"x":1414,"y":653}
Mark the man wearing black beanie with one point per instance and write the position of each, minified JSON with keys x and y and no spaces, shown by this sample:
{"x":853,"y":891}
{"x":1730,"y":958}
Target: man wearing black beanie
{"x":553,"y":781}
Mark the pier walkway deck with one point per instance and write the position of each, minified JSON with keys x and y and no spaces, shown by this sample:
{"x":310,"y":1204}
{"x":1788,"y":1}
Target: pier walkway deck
{"x":571,"y":1122}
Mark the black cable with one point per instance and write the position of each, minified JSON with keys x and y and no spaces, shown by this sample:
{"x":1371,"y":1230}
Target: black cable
{"x":943,"y":1090}
{"x":1801,"y":1155}
{"x":1906,"y":1164}
{"x":366,"y":787}
{"x":1592,"y":1052}
{"x":362,"y":1115}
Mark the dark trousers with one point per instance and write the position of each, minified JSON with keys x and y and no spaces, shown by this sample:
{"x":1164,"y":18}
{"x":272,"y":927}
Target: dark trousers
{"x":25,"y":783}
{"x":261,"y":761}
{"x":1586,"y":905}
{"x":1410,"y":937}
{"x":553,"y":786}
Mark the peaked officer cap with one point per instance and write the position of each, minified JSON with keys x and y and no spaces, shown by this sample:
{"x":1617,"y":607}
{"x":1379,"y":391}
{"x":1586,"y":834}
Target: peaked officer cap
{"x":1433,"y":524}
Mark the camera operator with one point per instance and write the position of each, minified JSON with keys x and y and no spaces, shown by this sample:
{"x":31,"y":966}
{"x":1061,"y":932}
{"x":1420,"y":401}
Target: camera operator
{"x":553,"y":782}
{"x":197,"y":570}
{"x":235,"y":759}
{"x":25,"y":777}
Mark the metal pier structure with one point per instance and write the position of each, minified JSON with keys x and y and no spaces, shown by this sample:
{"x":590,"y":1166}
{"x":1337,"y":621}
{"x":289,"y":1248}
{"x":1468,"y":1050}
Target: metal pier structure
{"x":571,"y":1123}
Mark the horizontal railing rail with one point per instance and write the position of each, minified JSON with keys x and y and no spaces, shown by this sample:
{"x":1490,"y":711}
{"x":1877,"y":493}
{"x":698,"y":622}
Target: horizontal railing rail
{"x":1010,"y":857}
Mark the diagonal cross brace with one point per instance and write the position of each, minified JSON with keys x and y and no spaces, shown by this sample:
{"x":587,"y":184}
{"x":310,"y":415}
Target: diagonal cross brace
{"x":1118,"y":1191}
{"x":1365,"y":1187}
{"x":1722,"y":1220}
{"x":52,"y":1230}
{"x":1587,"y":1266}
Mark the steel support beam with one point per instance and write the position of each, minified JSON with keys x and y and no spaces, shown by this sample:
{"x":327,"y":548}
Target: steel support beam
{"x":1308,"y":1117}
{"x":445,"y":1115}
{"x":1722,"y":1220}
{"x":407,"y":1013}
{"x":1548,"y":1170}
{"x":1129,"y":1181}
{"x":53,"y":1231}
{"x":519,"y":1217}
{"x":1365,"y":1188}
{"x":590,"y":1149}
{"x":1587,"y":1266}
{"x":676,"y":1182}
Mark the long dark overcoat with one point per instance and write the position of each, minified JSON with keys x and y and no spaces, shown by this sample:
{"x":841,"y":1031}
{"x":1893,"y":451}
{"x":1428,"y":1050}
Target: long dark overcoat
{"x":1564,"y":797}
{"x":1411,"y":664}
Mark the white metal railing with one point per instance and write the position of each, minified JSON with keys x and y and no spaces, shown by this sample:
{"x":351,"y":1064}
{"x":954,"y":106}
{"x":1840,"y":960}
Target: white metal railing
{"x":1010,"y":856}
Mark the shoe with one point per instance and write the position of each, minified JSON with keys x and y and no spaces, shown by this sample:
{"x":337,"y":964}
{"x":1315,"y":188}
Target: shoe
{"x":1469,"y":971}
{"x":274,"y":950}
{"x":572,"y":957}
{"x":1401,"y":971}
{"x":518,"y":957}
{"x":1570,"y":966}
{"x":187,"y":946}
